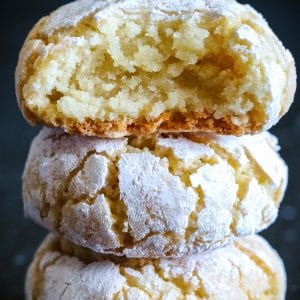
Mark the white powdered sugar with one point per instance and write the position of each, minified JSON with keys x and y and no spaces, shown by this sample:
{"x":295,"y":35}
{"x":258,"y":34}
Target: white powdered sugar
{"x":156,"y":201}
{"x":185,"y":149}
{"x":217,"y":183}
{"x":90,"y":225}
{"x":184,"y":194}
{"x":70,"y":278}
{"x":91,"y":178}
{"x":249,"y":268}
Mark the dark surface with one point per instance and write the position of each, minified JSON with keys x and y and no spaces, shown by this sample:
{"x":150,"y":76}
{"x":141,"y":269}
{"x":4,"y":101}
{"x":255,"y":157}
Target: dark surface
{"x":20,"y":237}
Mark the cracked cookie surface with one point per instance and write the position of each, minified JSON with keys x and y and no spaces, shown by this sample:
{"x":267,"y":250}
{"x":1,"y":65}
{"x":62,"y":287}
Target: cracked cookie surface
{"x":247,"y":269}
{"x":115,"y":68}
{"x":153,"y":196}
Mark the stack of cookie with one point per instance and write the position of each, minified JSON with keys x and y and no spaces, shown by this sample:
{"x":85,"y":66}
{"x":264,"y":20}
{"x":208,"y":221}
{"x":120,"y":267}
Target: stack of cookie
{"x":149,"y":179}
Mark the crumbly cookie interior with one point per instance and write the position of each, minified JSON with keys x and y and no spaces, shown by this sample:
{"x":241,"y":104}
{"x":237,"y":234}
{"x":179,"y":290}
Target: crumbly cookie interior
{"x":125,"y":67}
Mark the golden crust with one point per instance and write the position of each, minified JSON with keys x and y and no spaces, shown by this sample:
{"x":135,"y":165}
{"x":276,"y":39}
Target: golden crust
{"x":167,"y":122}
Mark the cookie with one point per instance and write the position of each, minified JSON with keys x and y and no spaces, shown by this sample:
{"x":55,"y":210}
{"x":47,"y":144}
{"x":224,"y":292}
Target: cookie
{"x":117,"y":68}
{"x":156,"y":196}
{"x":247,"y":269}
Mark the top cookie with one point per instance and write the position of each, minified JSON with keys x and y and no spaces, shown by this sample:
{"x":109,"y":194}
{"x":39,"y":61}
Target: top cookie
{"x":114,"y":68}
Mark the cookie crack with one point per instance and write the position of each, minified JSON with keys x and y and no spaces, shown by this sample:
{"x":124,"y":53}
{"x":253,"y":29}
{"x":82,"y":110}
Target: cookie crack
{"x":60,"y":199}
{"x":240,"y":278}
{"x":263,"y":266}
{"x":111,"y":194}
{"x":130,"y":282}
{"x":39,"y":289}
{"x":241,"y":181}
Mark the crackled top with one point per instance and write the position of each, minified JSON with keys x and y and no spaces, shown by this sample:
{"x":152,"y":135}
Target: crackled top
{"x":247,"y":269}
{"x":156,"y":196}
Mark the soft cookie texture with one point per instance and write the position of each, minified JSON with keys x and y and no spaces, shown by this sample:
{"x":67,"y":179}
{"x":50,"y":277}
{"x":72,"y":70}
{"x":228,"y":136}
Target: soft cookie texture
{"x":156,"y":196}
{"x":248,"y":269}
{"x":115,"y":68}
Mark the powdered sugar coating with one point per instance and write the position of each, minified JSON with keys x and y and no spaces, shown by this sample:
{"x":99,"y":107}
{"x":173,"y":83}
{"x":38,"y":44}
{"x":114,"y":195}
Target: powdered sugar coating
{"x":91,"y":178}
{"x":185,"y":149}
{"x":259,"y":154}
{"x":146,"y":185}
{"x":76,"y":223}
{"x":101,"y":278}
{"x":245,"y":147}
{"x":153,"y":196}
{"x":247,"y":269}
{"x":159,"y":10}
{"x":219,"y":189}
{"x":78,"y":10}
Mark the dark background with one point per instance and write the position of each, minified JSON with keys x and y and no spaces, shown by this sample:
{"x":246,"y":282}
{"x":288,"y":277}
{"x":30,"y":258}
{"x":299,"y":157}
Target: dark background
{"x":20,"y":237}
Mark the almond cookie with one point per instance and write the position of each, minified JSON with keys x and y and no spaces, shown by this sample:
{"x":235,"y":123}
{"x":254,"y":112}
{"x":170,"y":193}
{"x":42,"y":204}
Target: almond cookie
{"x":116,"y":68}
{"x":155,"y":196}
{"x":247,"y":269}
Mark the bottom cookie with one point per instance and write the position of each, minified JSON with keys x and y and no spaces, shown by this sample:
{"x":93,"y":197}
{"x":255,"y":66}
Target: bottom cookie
{"x":247,"y":269}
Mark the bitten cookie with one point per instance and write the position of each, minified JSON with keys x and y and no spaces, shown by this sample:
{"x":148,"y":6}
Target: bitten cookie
{"x":248,"y":269}
{"x":115,"y":68}
{"x":155,"y":196}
